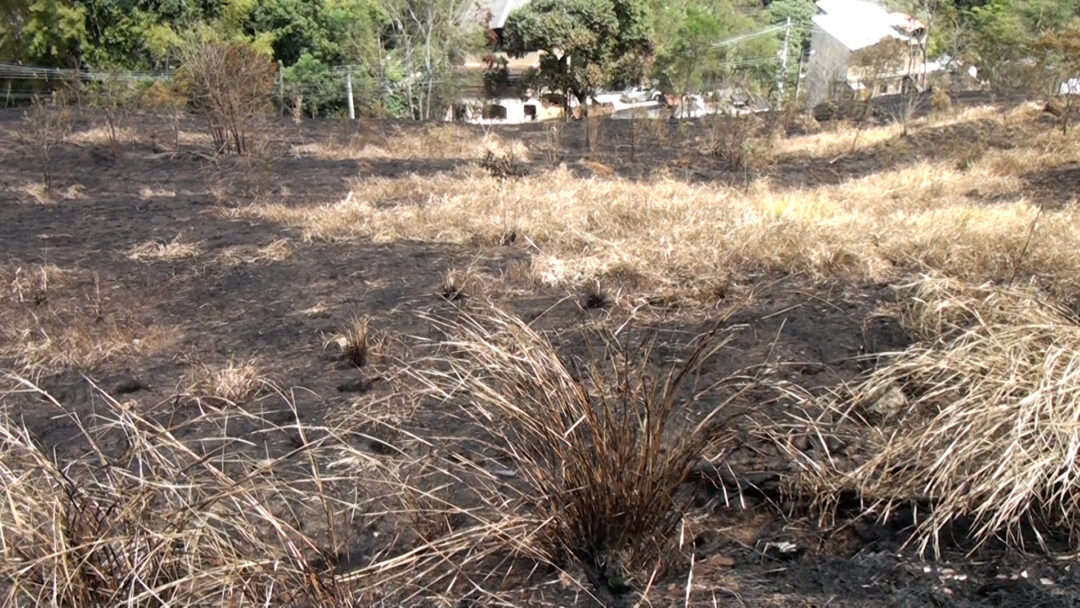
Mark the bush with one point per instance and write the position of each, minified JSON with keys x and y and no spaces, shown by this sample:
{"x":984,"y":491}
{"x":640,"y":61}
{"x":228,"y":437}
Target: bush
{"x":940,"y":101}
{"x":733,"y":140}
{"x":600,"y":445}
{"x":229,"y":84}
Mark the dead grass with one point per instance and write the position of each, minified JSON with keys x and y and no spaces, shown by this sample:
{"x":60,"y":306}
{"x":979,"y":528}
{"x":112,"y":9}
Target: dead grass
{"x":275,"y":251}
{"x":42,"y":195}
{"x":360,"y":344}
{"x":29,"y":283}
{"x":147,"y":193}
{"x":441,"y":141}
{"x":162,"y":523}
{"x":601,"y":445}
{"x":837,"y":140}
{"x":986,"y":427}
{"x":233,"y":383}
{"x":74,"y":340}
{"x":43,"y":330}
{"x":681,"y":240}
{"x":100,"y":136}
{"x":163,"y":251}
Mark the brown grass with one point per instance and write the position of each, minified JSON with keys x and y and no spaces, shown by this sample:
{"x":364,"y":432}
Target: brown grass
{"x":446,"y":141}
{"x":43,"y":195}
{"x":100,"y":136}
{"x":275,"y":251}
{"x":147,"y":193}
{"x":985,"y":424}
{"x":175,"y":528}
{"x":358,"y":343}
{"x":666,"y":236}
{"x":29,"y":283}
{"x":42,"y":330}
{"x":233,"y":383}
{"x":163,"y":251}
{"x":601,"y":444}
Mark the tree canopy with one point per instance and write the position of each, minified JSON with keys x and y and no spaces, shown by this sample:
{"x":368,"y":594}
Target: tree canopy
{"x":403,"y":55}
{"x":583,"y":42}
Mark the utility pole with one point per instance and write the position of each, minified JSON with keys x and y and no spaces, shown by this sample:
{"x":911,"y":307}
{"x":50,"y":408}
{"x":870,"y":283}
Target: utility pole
{"x":783,"y":66}
{"x":348,"y":90}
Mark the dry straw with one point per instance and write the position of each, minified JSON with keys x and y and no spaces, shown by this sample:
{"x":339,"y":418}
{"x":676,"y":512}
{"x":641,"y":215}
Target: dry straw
{"x":988,"y":428}
{"x":668,"y":237}
{"x":601,"y":445}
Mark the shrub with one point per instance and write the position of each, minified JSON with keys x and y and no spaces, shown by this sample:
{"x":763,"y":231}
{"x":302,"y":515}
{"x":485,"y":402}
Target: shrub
{"x":601,"y":445}
{"x":940,"y":101}
{"x":733,"y":141}
{"x":229,"y":85}
{"x":46,"y":126}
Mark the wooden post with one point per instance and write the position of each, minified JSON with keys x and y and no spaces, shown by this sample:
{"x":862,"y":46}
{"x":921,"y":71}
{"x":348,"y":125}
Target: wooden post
{"x":348,"y":90}
{"x":280,"y":87}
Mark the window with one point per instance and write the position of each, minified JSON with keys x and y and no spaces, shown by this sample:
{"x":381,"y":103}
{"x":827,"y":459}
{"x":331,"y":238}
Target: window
{"x":494,"y":112}
{"x":883,"y":89}
{"x":530,"y":111}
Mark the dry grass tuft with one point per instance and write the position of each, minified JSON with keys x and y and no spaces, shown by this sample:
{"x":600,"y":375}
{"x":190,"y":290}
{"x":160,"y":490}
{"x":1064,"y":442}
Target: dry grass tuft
{"x":358,"y":343}
{"x":433,"y":141}
{"x":29,"y":284}
{"x":44,"y":331}
{"x":601,"y":446}
{"x":163,"y":251}
{"x":275,"y":251}
{"x":988,"y":424}
{"x":234,"y":383}
{"x":43,"y":195}
{"x":162,"y":523}
{"x":455,"y":285}
{"x":100,"y":136}
{"x":61,"y":343}
{"x":147,"y":193}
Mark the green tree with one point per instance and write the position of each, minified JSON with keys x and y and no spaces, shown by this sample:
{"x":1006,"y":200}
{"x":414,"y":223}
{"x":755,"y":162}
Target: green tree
{"x":425,"y":42}
{"x":292,"y":25}
{"x":1061,"y":60}
{"x":310,"y":79}
{"x":689,"y":56}
{"x":1003,"y":36}
{"x":581,"y":41}
{"x":801,"y":13}
{"x":42,"y":32}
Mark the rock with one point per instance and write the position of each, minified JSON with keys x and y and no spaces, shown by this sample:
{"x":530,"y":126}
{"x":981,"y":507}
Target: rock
{"x":888,"y":402}
{"x":781,"y":550}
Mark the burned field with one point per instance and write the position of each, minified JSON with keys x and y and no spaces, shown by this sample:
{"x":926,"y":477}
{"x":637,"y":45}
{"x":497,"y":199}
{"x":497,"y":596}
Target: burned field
{"x":429,"y":365}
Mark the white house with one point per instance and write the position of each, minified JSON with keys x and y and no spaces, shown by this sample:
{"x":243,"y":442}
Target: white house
{"x":846,"y":27}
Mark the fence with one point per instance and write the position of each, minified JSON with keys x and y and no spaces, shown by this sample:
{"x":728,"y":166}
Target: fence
{"x":343,"y":90}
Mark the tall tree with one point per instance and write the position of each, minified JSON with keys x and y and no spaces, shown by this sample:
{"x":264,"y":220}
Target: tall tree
{"x":581,"y":41}
{"x":425,"y":42}
{"x":690,"y":55}
{"x":42,"y":32}
{"x":1061,"y":60}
